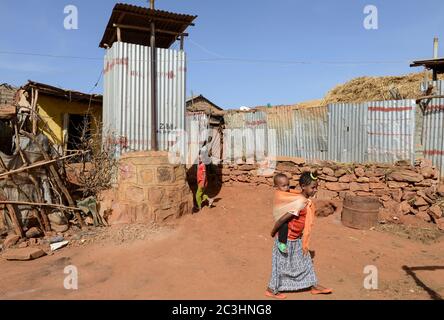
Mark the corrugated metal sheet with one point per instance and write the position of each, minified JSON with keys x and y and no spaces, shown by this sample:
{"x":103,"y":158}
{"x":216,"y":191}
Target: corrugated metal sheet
{"x":391,"y":130}
{"x":372,"y":131}
{"x":311,"y":133}
{"x":433,"y":133}
{"x":279,"y":131}
{"x":245,"y":136}
{"x":127,"y":96}
{"x":196,"y":129}
{"x":280,"y":120}
{"x":347,"y":132}
{"x":438,"y":85}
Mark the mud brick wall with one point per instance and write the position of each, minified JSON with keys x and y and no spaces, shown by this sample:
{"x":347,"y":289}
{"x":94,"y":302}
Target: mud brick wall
{"x":402,"y":188}
{"x":150,"y":189}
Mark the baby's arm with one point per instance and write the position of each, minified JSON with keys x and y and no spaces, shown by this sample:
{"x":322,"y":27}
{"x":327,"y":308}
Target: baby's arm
{"x":285,"y":218}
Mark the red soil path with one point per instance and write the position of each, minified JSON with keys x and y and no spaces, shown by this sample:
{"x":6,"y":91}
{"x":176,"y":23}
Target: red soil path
{"x":225,"y":253}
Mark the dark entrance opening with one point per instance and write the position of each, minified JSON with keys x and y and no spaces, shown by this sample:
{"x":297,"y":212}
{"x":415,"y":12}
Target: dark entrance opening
{"x":79,"y":131}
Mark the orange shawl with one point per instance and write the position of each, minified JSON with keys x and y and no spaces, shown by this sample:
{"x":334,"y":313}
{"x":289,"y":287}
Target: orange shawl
{"x":294,"y":201}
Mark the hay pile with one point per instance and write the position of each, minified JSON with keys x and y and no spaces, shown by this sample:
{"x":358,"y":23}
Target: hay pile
{"x":377,"y":88}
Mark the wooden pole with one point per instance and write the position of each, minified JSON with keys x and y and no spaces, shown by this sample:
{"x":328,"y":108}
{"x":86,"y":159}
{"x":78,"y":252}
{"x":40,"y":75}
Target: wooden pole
{"x":154,"y":144}
{"x":125,"y":26}
{"x":38,"y":204}
{"x":13,"y":214}
{"x":34,"y":118}
{"x":119,"y":36}
{"x":35,"y":165}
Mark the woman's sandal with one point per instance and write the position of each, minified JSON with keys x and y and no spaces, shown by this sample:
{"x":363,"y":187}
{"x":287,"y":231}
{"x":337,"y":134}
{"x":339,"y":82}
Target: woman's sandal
{"x":276,"y":296}
{"x":318,"y":290}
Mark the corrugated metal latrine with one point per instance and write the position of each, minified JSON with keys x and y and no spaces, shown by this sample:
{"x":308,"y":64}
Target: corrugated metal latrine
{"x":127,"y":95}
{"x":433,"y":133}
{"x":381,"y":131}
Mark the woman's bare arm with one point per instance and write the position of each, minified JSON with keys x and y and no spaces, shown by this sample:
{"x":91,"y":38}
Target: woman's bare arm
{"x":280,"y":222}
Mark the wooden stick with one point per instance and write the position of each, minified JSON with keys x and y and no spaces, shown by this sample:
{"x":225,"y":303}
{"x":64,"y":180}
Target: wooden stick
{"x":37,"y":164}
{"x":24,"y":203}
{"x":124,"y":26}
{"x":34,"y":118}
{"x":14,"y":218}
{"x":429,"y":97}
{"x":56,"y":176}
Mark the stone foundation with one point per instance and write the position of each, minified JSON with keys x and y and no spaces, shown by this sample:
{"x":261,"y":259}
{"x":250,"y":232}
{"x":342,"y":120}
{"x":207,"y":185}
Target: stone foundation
{"x":402,"y":188}
{"x":150,"y":189}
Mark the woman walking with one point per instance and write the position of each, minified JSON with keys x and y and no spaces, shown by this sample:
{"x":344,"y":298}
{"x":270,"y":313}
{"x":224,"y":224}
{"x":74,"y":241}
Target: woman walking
{"x":293,"y":270}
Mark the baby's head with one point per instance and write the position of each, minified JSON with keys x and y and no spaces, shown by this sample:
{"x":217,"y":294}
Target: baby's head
{"x":309,"y":183}
{"x":281,"y":182}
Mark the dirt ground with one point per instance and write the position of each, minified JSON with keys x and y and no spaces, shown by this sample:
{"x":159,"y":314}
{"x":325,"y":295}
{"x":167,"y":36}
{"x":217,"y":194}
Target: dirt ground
{"x":225,"y":253}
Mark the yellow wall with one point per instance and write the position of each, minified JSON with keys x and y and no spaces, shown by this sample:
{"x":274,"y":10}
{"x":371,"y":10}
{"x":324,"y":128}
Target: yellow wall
{"x":52,"y":109}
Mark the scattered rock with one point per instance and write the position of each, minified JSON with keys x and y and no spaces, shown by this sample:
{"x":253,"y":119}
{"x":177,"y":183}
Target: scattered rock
{"x":34,"y":232}
{"x":406,"y":176}
{"x":396,"y":195}
{"x":89,"y":221}
{"x":405,"y":208}
{"x":360,"y":172}
{"x":328,"y":171}
{"x":59,"y":228}
{"x":335,"y":186}
{"x":23,"y":254}
{"x":424,"y":216}
{"x":57,"y":218}
{"x":24,"y":244}
{"x":246,"y":167}
{"x":347,"y":178}
{"x":340,"y":173}
{"x":422,"y":163}
{"x":33,"y":242}
{"x":396,"y":185}
{"x":408,"y":195}
{"x":377,"y":185}
{"x":354,"y":186}
{"x":419,"y":201}
{"x":429,"y":173}
{"x":11,"y":240}
{"x":328,"y":178}
{"x":440,"y":190}
{"x":326,"y":194}
{"x":440,"y":224}
{"x":436,"y":212}
{"x":363,"y":180}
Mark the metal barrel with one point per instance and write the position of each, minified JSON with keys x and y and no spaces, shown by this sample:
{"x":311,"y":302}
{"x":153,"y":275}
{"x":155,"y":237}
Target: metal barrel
{"x":360,"y":212}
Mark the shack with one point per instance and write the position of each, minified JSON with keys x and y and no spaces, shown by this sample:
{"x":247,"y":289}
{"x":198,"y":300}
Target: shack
{"x":64,"y":113}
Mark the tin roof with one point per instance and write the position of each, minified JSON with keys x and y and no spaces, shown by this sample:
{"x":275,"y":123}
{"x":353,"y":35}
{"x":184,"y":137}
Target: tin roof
{"x":69,"y":95}
{"x":168,"y":25}
{"x":434,"y":64}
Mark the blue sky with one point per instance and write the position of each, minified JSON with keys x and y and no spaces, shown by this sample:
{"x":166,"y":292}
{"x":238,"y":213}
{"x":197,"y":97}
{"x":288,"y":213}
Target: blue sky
{"x":269,"y":39}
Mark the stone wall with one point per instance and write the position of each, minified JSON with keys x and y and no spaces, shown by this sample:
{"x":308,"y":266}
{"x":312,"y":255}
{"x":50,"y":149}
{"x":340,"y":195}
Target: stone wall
{"x":149,"y":189}
{"x":402,"y":188}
